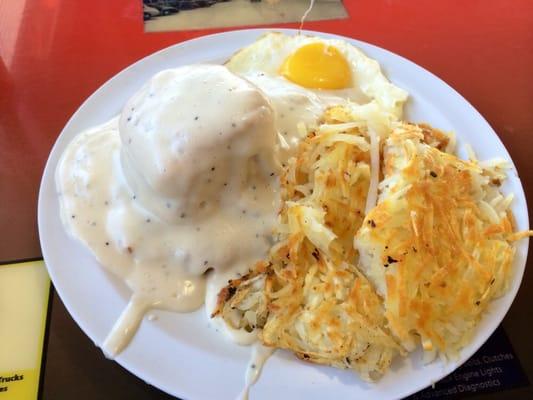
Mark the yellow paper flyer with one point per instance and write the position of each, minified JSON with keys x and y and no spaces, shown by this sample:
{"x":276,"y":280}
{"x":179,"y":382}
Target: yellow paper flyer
{"x":24,"y":292}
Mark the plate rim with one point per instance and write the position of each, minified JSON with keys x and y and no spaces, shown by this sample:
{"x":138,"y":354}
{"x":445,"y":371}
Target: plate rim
{"x":471,"y":111}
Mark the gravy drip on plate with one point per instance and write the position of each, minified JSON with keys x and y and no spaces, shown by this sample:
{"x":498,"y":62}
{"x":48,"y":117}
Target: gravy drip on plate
{"x":260,"y":354}
{"x":184,"y":182}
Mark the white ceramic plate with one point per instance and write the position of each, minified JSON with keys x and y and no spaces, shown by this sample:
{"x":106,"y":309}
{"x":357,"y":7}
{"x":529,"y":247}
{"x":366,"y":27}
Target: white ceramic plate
{"x":180,"y":353}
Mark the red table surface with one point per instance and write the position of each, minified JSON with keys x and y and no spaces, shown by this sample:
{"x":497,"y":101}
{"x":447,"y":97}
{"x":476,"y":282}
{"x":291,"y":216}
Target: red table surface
{"x":55,"y":53}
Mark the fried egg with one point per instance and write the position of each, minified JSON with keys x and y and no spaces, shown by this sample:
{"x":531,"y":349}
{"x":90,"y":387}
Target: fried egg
{"x":304,"y":75}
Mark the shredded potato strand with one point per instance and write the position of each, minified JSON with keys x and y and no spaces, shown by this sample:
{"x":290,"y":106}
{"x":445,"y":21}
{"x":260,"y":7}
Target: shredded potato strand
{"x":374,"y":174}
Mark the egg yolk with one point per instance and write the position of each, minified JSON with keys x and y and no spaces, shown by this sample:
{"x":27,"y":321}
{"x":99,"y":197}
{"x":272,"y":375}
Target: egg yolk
{"x":317,"y":66}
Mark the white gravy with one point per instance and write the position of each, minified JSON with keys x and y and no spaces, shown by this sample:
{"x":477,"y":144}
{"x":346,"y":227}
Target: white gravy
{"x":260,"y":355}
{"x":184,"y":184}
